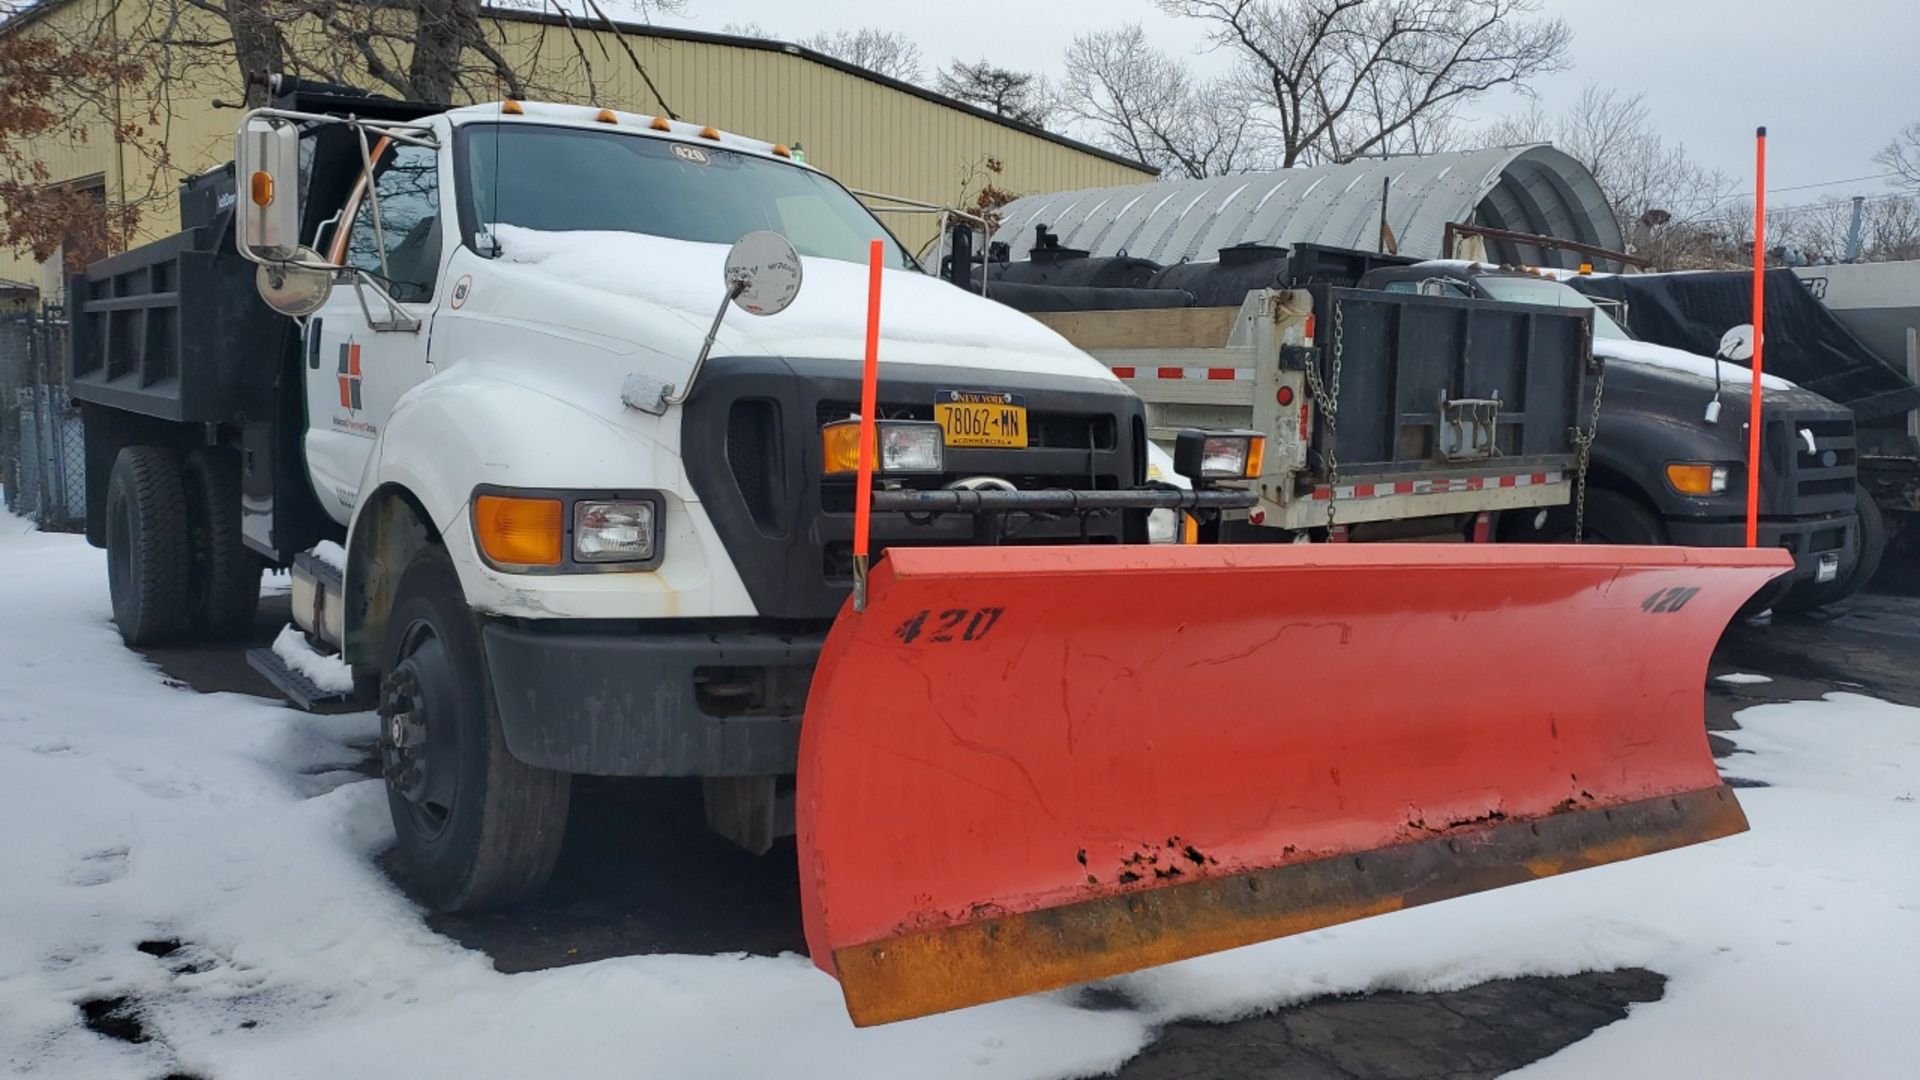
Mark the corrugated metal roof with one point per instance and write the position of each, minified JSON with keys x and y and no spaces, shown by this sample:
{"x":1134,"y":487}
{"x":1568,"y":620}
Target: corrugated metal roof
{"x":1534,"y":189}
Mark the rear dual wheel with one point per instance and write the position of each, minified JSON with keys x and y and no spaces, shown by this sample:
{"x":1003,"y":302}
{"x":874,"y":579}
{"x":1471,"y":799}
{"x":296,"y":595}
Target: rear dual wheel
{"x":474,"y":827}
{"x":177,"y":568}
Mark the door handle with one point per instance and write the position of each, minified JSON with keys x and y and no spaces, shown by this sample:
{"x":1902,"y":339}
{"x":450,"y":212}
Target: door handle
{"x":313,"y":344}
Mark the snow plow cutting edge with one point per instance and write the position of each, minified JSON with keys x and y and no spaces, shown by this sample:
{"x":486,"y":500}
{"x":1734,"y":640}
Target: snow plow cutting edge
{"x":1023,"y":768}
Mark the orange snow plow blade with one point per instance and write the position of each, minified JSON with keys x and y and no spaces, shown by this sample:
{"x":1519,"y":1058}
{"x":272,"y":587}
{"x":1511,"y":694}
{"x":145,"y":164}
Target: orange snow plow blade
{"x":1022,"y":768}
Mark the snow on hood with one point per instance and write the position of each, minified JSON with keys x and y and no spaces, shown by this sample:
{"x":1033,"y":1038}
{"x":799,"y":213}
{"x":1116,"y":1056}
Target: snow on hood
{"x":828,"y":318}
{"x":1660,"y":356}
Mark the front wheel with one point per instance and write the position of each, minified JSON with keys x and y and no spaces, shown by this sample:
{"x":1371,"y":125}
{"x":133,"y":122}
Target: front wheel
{"x":1612,"y":518}
{"x":1806,"y":595}
{"x":474,"y":827}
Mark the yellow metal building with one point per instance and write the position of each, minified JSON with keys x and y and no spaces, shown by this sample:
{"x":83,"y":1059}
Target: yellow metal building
{"x":871,"y":132}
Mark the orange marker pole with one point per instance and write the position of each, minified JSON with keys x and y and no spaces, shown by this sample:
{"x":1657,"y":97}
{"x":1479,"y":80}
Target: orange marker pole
{"x":1759,"y":332}
{"x":869,"y":393}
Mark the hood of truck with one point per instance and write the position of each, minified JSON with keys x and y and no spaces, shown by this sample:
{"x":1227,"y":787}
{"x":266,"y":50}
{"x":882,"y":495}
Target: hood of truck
{"x":659,"y":296}
{"x":1680,"y":367}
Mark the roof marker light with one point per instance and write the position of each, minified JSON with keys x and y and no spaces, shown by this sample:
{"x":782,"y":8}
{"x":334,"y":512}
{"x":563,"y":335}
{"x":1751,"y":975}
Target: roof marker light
{"x":780,"y":150}
{"x":710,"y":132}
{"x":605,"y":116}
{"x":659,"y":123}
{"x":511,"y":107}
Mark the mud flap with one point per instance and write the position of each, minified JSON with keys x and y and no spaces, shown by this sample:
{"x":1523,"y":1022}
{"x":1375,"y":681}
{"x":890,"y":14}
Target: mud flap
{"x":1022,"y":768}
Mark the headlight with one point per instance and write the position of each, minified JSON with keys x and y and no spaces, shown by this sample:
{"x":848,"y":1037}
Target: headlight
{"x":1218,"y":455}
{"x":906,"y":446}
{"x":1697,"y":478}
{"x":520,"y":531}
{"x":606,"y":531}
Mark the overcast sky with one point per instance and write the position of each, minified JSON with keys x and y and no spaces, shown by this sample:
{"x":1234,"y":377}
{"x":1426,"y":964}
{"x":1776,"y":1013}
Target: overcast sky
{"x":1833,"y":80}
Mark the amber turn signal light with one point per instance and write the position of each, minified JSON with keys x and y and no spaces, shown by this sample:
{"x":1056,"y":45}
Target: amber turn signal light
{"x":517,"y":531}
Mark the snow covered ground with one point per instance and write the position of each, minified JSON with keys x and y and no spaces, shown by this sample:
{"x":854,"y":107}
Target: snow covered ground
{"x":133,"y":811}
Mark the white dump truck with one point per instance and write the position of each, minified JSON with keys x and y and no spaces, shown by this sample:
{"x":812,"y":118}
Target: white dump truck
{"x":521,"y":379}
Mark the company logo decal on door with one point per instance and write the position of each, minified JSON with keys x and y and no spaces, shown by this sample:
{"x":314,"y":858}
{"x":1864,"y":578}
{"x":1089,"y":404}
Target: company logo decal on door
{"x":350,"y":376}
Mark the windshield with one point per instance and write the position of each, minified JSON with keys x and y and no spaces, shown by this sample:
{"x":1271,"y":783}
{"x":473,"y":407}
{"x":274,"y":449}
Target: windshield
{"x":1546,"y":292}
{"x":566,"y":179}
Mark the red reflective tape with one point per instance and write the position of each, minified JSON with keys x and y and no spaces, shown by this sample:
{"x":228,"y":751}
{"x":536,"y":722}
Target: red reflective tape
{"x":1539,"y":478}
{"x":1322,"y":493}
{"x":1172,"y":373}
{"x":1507,"y":481}
{"x":1303,"y":421}
{"x":1363,"y":491}
{"x":1123,"y":372}
{"x":1404,"y":487}
{"x":1476,"y":483}
{"x":1226,"y":373}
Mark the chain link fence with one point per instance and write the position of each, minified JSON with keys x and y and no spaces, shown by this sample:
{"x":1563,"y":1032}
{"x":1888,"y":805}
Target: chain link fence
{"x":43,"y":464}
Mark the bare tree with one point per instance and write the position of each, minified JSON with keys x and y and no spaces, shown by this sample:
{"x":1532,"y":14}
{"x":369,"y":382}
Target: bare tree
{"x":884,"y":52}
{"x":1016,"y":95}
{"x":1137,"y":100}
{"x":1902,"y":157}
{"x":1339,"y":79}
{"x":1660,"y":195}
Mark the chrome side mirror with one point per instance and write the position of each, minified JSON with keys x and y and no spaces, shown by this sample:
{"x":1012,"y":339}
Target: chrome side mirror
{"x":1737,"y":344}
{"x":762,"y":275}
{"x":266,"y":162}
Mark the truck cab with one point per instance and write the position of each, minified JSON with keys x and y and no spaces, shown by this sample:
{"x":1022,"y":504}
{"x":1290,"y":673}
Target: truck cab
{"x":570,"y":389}
{"x":1669,"y":457}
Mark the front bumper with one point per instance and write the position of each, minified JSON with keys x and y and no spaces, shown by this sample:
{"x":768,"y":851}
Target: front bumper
{"x":613,"y":699}
{"x":1809,"y":539}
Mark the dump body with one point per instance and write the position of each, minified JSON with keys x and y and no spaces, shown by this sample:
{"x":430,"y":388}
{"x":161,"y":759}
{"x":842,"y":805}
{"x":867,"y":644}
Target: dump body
{"x":1445,"y":406}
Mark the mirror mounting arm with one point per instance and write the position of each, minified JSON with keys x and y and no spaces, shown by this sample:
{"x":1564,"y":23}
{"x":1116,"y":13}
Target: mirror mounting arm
{"x":734,"y":289}
{"x":397,"y":317}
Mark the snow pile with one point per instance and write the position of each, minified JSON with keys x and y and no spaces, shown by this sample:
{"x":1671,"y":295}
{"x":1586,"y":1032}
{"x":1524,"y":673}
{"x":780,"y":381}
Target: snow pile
{"x":329,"y":673}
{"x":828,"y":318}
{"x":142,"y":813}
{"x":332,"y":554}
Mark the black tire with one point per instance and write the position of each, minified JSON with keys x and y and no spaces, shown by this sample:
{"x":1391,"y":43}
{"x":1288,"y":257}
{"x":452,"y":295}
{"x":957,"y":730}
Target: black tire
{"x":474,"y":828}
{"x":1612,"y":518}
{"x":1805,"y":595}
{"x":223,"y":575}
{"x":147,"y":563}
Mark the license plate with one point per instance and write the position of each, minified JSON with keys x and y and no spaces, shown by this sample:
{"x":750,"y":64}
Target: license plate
{"x":982,"y":418}
{"x":1828,"y":569}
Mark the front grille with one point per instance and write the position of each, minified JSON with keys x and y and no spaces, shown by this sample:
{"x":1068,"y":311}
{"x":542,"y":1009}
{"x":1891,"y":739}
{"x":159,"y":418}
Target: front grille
{"x":1816,"y":480}
{"x":753,"y":455}
{"x":1045,"y":430}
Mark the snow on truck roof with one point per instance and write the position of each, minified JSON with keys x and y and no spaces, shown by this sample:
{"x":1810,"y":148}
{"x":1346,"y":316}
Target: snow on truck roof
{"x":592,"y":116}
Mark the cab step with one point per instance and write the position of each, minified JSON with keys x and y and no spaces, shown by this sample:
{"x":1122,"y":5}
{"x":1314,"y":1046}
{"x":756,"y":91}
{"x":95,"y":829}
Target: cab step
{"x":302,"y":692}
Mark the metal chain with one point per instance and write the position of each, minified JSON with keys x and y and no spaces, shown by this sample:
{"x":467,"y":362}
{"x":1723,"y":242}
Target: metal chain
{"x":1583,"y":447}
{"x":1329,"y":405}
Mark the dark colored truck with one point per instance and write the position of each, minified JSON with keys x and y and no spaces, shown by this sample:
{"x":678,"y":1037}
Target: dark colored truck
{"x":1664,"y":471}
{"x":1661,"y":472}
